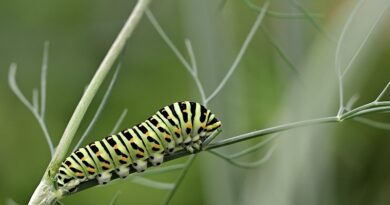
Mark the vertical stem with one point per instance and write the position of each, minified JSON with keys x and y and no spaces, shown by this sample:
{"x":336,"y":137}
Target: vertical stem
{"x":45,"y":60}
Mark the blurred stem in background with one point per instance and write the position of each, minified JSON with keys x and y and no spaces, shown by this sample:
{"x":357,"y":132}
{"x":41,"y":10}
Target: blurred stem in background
{"x":201,"y":29}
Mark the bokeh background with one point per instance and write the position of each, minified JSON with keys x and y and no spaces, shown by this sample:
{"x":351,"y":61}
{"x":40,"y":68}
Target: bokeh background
{"x":344,"y":163}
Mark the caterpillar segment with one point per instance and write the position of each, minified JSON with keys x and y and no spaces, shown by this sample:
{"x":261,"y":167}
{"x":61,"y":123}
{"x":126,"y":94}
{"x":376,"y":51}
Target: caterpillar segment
{"x":87,"y":162}
{"x":181,"y":125}
{"x":163,"y":133}
{"x":118,"y":156}
{"x":66,"y":179}
{"x":104,"y":161}
{"x":168,"y":118}
{"x":152,"y":143}
{"x":137,"y":151}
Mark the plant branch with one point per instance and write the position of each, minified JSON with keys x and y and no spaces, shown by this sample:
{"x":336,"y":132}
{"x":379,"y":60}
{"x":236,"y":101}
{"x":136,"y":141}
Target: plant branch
{"x":277,"y":14}
{"x":373,"y":123}
{"x":100,"y":108}
{"x":35,"y":97}
{"x":96,"y":81}
{"x":270,"y":130}
{"x":338,"y":57}
{"x":279,"y":50}
{"x":253,"y":148}
{"x":14,"y":87}
{"x":194,"y":74}
{"x":310,"y":17}
{"x":119,"y":121}
{"x":179,"y":179}
{"x":362,"y":43}
{"x":380,"y":96}
{"x":168,"y":41}
{"x":151,"y":183}
{"x":244,"y":47}
{"x":246,"y":165}
{"x":45,"y":60}
{"x":163,"y":169}
{"x":45,"y":193}
{"x":115,"y":198}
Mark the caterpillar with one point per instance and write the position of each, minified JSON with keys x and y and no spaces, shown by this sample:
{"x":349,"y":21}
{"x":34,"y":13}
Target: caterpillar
{"x":181,"y":125}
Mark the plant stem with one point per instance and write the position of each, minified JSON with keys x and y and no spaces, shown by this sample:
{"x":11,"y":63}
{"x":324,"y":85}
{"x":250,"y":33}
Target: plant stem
{"x":179,"y":179}
{"x":270,"y":130}
{"x":96,"y":81}
{"x":238,"y":58}
{"x":45,"y":193}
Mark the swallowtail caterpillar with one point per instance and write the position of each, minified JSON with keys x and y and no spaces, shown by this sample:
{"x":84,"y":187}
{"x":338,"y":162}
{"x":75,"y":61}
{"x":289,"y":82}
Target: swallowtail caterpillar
{"x":181,"y":125}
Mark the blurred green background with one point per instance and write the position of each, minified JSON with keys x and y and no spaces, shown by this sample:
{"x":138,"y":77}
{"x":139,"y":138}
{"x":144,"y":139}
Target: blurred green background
{"x":344,"y":163}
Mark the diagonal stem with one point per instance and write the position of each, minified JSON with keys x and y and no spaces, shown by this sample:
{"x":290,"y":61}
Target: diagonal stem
{"x":96,"y":82}
{"x":119,"y":121}
{"x":100,"y":108}
{"x":45,"y":193}
{"x":238,"y":58}
{"x":168,"y":41}
{"x":179,"y":179}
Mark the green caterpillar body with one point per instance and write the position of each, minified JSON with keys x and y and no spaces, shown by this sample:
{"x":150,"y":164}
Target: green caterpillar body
{"x":181,"y":125}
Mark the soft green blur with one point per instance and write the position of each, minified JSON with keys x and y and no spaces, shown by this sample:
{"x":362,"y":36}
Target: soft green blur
{"x":345,"y":163}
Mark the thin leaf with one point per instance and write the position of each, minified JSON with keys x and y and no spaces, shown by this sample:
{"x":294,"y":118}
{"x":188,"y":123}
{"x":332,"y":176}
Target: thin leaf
{"x":114,"y":199}
{"x":240,"y":54}
{"x":15,"y":89}
{"x":45,"y":62}
{"x":119,"y":121}
{"x":179,"y":180}
{"x":152,"y":183}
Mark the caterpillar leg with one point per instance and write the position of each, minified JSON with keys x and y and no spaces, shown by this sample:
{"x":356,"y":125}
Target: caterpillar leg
{"x":194,"y":146}
{"x":156,"y":159}
{"x":140,"y":165}
{"x":104,"y":177}
{"x":197,"y":145}
{"x":122,"y":171}
{"x":196,"y":138}
{"x":189,"y":148}
{"x":171,"y":149}
{"x":188,"y":144}
{"x":72,"y":190}
{"x":70,"y":186}
{"x":187,"y":140}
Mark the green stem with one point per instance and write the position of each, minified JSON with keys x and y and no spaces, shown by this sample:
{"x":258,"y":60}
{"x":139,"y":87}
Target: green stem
{"x":96,"y":82}
{"x":270,"y":130}
{"x":179,"y":179}
{"x":45,"y":193}
{"x":277,"y":14}
{"x":363,"y":109}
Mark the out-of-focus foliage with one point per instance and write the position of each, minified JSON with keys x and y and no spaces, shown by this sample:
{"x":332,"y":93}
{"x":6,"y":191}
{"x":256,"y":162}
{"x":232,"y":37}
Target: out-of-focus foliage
{"x":345,"y":163}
